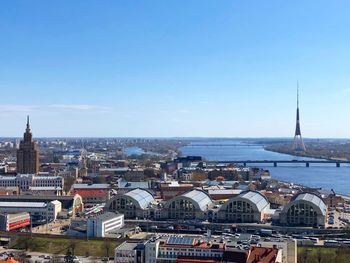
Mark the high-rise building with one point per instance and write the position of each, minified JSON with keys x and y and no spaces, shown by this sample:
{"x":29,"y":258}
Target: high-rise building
{"x":27,"y":154}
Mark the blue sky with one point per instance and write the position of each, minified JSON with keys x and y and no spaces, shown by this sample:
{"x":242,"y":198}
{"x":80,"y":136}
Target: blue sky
{"x":174,"y":68}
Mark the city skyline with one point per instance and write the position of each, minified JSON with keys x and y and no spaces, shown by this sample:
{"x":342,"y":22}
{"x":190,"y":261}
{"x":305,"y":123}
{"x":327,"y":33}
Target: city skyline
{"x":175,"y":69}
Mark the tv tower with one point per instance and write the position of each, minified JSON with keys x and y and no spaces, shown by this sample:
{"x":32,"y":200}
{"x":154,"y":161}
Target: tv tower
{"x":298,"y":143}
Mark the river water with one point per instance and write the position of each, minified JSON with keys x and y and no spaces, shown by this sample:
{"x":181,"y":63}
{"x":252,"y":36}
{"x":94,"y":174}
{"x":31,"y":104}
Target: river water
{"x":326,"y":176}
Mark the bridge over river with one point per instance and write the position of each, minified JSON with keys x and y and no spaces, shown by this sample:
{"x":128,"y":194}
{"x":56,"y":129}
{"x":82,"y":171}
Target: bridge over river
{"x":275,"y":163}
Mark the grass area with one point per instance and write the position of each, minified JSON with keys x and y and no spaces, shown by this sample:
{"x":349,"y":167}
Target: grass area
{"x":323,"y":255}
{"x":60,"y":245}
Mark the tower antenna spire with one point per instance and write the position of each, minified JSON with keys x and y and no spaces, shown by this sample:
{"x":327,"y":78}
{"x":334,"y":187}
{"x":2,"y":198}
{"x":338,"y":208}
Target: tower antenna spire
{"x":298,"y":143}
{"x":297,"y":94}
{"x":27,"y":121}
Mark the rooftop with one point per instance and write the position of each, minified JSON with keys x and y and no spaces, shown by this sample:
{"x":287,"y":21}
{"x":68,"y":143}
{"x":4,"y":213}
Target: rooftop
{"x":224,"y":191}
{"x":106,"y":216}
{"x":200,"y":197}
{"x":90,"y":186}
{"x":191,"y":242}
{"x":142,"y":197}
{"x":44,"y":188}
{"x":309,"y":197}
{"x":128,"y":246}
{"x":133,"y":185}
{"x":262,"y":255}
{"x":23,"y":204}
{"x":255,"y":197}
{"x":89,"y":192}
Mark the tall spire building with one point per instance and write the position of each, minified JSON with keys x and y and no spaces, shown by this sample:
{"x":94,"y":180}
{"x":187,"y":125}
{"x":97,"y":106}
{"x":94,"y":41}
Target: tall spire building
{"x":298,"y":143}
{"x":27,"y":154}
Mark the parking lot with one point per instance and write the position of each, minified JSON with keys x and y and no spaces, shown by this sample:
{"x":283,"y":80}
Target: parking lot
{"x":37,"y":257}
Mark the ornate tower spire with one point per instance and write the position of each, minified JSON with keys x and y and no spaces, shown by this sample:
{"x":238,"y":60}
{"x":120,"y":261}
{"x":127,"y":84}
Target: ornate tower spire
{"x":298,"y":143}
{"x":28,"y":126}
{"x":27,"y":154}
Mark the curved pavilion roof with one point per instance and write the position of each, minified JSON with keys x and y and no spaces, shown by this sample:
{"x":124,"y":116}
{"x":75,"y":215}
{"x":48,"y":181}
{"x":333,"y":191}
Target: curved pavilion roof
{"x":200,"y":199}
{"x":140,"y":197}
{"x":255,"y":198}
{"x":313,"y":199}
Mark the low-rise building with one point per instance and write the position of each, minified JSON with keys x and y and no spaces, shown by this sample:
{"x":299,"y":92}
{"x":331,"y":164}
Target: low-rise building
{"x":176,"y":249}
{"x":9,"y":222}
{"x":92,"y":194}
{"x":70,"y":204}
{"x":39,"y":211}
{"x":24,"y":181}
{"x":102,"y":224}
{"x":130,"y":252}
{"x":173,"y":189}
{"x":43,"y":191}
{"x":222,"y":194}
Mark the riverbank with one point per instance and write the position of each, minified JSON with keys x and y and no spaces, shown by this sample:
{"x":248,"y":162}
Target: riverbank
{"x":291,"y":153}
{"x":325,"y":151}
{"x":325,"y":176}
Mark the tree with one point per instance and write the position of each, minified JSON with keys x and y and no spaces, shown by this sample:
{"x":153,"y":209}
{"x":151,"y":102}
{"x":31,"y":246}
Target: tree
{"x":107,"y":246}
{"x":72,"y":246}
{"x":25,"y":242}
{"x":69,"y":258}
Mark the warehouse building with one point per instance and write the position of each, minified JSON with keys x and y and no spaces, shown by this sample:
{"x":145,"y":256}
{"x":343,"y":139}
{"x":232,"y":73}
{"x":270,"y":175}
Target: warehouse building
{"x":133,"y":204}
{"x":193,"y":204}
{"x":70,"y":204}
{"x":305,"y":209}
{"x":39,"y":211}
{"x":248,"y":207}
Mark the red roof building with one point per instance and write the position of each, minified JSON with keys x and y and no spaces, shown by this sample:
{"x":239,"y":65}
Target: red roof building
{"x":91,"y":193}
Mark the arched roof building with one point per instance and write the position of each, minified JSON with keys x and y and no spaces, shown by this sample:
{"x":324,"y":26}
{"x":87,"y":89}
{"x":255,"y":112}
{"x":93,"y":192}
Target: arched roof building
{"x":132,"y":204}
{"x":247,"y":207}
{"x":305,"y":209}
{"x":142,"y":198}
{"x":190,"y":205}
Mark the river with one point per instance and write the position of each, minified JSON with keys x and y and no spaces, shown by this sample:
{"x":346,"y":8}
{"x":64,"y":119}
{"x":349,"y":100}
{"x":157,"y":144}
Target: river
{"x":326,"y":176}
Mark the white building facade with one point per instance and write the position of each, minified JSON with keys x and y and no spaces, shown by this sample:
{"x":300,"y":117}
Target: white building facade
{"x":99,"y":226}
{"x":25,"y":181}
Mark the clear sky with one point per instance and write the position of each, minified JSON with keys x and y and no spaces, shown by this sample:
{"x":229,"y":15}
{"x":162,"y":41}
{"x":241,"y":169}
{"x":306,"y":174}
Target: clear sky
{"x":175,"y":68}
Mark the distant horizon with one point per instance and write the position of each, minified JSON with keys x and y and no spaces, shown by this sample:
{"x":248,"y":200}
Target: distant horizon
{"x":179,"y":137}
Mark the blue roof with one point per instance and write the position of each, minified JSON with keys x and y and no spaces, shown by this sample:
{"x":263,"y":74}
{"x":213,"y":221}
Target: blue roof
{"x":175,"y":240}
{"x":133,"y":185}
{"x":72,"y":153}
